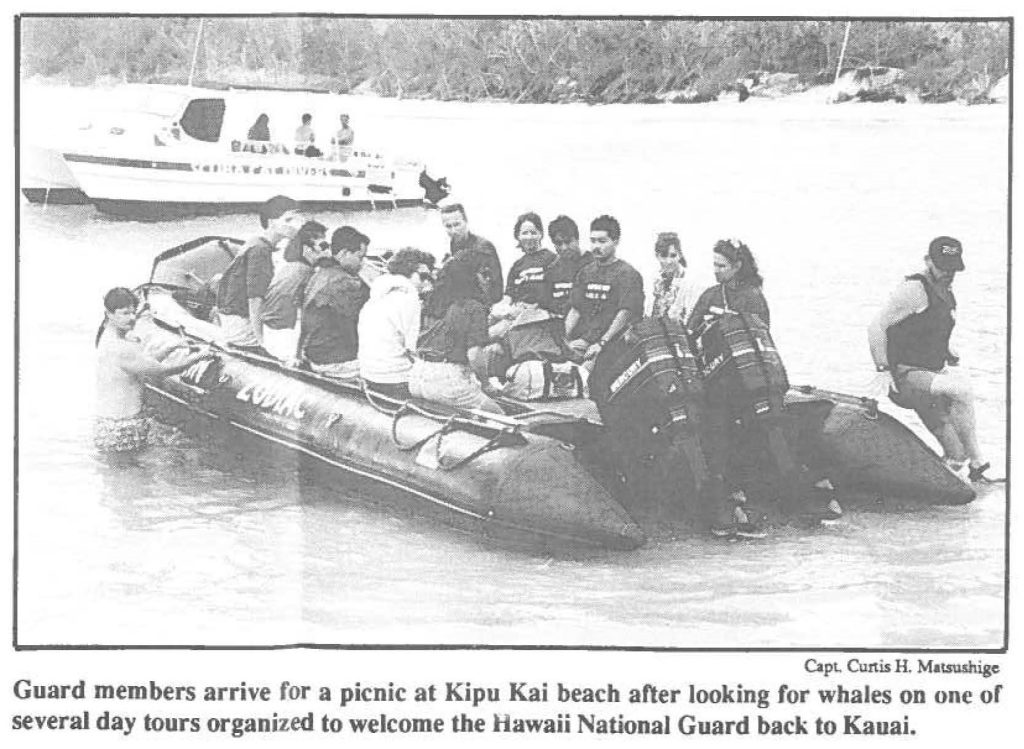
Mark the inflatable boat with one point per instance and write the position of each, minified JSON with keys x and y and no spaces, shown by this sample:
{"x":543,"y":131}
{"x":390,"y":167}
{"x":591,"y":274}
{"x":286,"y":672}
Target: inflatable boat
{"x":539,"y":475}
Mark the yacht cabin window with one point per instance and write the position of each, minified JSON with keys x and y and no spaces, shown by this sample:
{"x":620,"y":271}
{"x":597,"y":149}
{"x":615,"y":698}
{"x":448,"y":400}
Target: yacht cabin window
{"x":203,"y":119}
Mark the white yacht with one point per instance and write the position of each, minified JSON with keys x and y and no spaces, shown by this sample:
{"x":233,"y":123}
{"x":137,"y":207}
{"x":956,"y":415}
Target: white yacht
{"x":187,"y":150}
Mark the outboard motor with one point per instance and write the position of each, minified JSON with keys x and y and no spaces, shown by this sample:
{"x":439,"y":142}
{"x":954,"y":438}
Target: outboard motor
{"x":434,"y":190}
{"x":736,"y":353}
{"x":647,"y":387}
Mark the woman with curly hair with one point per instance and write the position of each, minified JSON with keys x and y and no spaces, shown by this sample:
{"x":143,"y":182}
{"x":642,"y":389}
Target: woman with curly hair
{"x":739,"y":285}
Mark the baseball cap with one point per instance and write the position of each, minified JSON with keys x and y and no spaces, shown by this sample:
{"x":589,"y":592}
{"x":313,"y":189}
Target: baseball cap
{"x":947,"y":253}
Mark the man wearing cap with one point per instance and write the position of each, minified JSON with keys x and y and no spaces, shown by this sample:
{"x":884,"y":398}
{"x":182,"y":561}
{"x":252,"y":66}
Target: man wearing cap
{"x":331,"y":304}
{"x":909,"y":340}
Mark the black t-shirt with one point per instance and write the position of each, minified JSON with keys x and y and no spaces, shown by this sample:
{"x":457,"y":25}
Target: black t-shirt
{"x":560,"y":275}
{"x":600,"y":291}
{"x":528,"y":273}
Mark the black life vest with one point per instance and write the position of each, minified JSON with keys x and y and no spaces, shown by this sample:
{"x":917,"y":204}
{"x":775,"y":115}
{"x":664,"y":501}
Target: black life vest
{"x":922,"y":339}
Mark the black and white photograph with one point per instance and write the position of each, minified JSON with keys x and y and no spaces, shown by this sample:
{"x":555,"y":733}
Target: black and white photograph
{"x":441,"y":331}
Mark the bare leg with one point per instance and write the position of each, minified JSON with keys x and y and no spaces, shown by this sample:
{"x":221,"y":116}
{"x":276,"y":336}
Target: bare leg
{"x":958,"y":389}
{"x":947,"y":436}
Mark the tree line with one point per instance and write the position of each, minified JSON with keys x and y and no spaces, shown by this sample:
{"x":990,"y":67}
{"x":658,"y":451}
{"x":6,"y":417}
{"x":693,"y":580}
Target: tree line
{"x":522,"y":60}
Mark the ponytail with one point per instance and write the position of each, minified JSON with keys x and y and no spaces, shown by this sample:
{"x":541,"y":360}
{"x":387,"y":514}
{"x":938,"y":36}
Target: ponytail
{"x":735,"y":251}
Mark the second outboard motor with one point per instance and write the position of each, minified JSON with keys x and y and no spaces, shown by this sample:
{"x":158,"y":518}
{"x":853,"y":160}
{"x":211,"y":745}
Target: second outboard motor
{"x":647,"y":387}
{"x":736,"y":353}
{"x":745,"y":383}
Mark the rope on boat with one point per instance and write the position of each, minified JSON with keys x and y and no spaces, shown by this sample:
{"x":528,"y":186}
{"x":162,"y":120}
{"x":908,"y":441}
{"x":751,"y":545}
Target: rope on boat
{"x":498,"y":440}
{"x":869,"y":405}
{"x":410,"y":446}
{"x":370,"y":399}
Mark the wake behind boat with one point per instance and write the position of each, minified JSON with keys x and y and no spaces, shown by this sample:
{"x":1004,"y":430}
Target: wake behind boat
{"x":542,"y":474}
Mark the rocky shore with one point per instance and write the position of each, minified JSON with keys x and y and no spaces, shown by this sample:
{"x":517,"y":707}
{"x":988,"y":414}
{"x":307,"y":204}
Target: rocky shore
{"x":865,"y":84}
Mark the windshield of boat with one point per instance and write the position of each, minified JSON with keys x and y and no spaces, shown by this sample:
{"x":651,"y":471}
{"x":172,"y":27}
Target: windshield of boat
{"x":203,"y":118}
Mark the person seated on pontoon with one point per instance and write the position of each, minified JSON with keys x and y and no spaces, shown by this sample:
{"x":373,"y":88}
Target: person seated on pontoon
{"x":565,"y":238}
{"x":284,"y":296}
{"x":305,"y":138}
{"x":243,"y":286}
{"x":607,"y":294}
{"x":389,"y":322}
{"x":441,"y":370}
{"x":333,"y":299}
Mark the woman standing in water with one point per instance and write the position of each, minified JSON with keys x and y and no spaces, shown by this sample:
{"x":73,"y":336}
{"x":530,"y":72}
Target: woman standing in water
{"x":745,"y":397}
{"x":122,"y":366}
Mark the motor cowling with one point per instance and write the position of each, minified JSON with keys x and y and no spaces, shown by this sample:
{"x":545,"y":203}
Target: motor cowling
{"x":737,"y":355}
{"x":646,"y":385}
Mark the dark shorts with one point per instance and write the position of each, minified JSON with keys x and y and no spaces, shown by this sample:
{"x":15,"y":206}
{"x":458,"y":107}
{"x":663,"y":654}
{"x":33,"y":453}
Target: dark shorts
{"x":914,"y":391}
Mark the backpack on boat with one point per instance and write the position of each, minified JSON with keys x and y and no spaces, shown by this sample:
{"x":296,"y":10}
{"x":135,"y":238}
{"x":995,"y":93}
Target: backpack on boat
{"x":539,"y":379}
{"x":538,"y":367}
{"x":647,"y":387}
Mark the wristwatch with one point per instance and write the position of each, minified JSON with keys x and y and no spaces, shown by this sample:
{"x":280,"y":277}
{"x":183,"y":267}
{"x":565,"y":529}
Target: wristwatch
{"x":882,"y":368}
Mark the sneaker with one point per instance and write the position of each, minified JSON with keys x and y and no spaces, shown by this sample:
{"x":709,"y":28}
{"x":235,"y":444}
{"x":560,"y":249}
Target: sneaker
{"x":959,"y":467}
{"x":976,"y":475}
{"x":730,"y":518}
{"x":823,"y":505}
{"x":833,"y":510}
{"x":751,"y":529}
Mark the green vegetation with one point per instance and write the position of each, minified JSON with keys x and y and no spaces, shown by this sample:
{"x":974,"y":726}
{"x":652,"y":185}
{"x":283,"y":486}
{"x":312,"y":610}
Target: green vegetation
{"x":515,"y":60}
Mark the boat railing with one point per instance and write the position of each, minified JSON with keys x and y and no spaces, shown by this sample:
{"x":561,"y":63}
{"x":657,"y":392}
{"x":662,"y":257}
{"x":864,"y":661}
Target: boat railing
{"x":302,"y":150}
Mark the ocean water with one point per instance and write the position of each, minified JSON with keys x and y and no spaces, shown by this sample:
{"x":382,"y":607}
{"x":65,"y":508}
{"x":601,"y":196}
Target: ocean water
{"x":199,"y":546}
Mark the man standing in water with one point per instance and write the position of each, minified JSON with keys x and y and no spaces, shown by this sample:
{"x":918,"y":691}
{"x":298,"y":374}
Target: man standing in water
{"x":122,"y":366}
{"x":477,"y":250}
{"x":607,"y":294}
{"x":909,"y":340}
{"x":244,"y":285}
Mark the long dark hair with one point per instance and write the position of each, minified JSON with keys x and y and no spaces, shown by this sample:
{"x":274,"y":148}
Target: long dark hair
{"x":735,"y":251}
{"x":117,"y":298}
